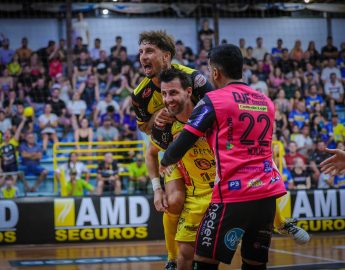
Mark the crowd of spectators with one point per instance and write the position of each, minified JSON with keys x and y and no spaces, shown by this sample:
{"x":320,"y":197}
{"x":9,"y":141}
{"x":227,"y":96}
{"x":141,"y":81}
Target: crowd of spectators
{"x":40,"y":105}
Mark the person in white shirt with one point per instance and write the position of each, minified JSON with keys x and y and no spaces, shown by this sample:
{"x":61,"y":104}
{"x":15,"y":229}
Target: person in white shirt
{"x":95,"y":52}
{"x":260,"y":86}
{"x":334,"y":92}
{"x":259,"y":51}
{"x":5,"y":123}
{"x":48,"y":123}
{"x":327,"y":71}
{"x":77,"y":109}
{"x":73,"y":165}
{"x":101,"y":107}
{"x":81,"y":29}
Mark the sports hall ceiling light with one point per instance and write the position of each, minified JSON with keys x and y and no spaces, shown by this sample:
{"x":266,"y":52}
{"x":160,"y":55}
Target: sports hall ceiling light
{"x":105,"y":11}
{"x":306,"y":1}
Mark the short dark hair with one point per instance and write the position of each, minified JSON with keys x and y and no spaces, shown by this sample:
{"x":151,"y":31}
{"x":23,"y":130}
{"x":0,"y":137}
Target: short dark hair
{"x":228,"y":58}
{"x":172,"y":73}
{"x":159,"y":38}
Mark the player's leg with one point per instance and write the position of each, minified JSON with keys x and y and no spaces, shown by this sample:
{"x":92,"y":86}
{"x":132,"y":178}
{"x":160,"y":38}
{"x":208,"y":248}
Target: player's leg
{"x":288,"y":226}
{"x":175,"y":192}
{"x":185,"y":255}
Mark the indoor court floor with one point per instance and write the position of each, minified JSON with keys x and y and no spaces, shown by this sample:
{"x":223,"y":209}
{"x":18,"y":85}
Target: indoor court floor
{"x":325,"y":251}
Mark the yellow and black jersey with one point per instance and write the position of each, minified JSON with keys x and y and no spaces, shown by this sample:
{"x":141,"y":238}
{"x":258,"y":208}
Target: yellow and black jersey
{"x":197,"y":167}
{"x":147,"y":98}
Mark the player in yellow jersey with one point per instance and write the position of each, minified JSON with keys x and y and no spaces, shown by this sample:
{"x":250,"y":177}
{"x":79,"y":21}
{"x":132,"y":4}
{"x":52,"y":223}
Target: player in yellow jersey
{"x":192,"y":177}
{"x":156,"y":50}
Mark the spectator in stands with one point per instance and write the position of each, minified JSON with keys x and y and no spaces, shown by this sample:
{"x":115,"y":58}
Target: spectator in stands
{"x":296,"y":54}
{"x":334,"y":92}
{"x":24,"y":52}
{"x":206,"y":36}
{"x":40,"y":92}
{"x":259,"y":51}
{"x":118,"y":47}
{"x":102,"y":105}
{"x":124,"y":90}
{"x":8,"y":149}
{"x":31,"y":156}
{"x":249,"y":61}
{"x":202,"y":59}
{"x":62,"y":51}
{"x":95,"y":51}
{"x":79,"y":48}
{"x":338,"y":129}
{"x":259,"y":86}
{"x":59,"y":109}
{"x":242,"y":46}
{"x":289,"y":158}
{"x":114,"y":116}
{"x":328,"y":70}
{"x":312,"y":98}
{"x":276,"y":79}
{"x":277,"y":52}
{"x":316,"y":158}
{"x":48,"y":123}
{"x":281,"y":122}
{"x":106,"y":132}
{"x":300,"y":175}
{"x":129,"y":125}
{"x":9,"y":190}
{"x":6,"y":83}
{"x":6,"y":53}
{"x":304,"y":141}
{"x":5,"y":123}
{"x":55,"y":64}
{"x":101,"y":67}
{"x":329,"y":51}
{"x":82,"y":68}
{"x":44,"y":54}
{"x":65,"y":88}
{"x":73,"y":165}
{"x":311,"y":55}
{"x":77,"y":186}
{"x":299,"y":116}
{"x":14,"y":67}
{"x":89,"y":91}
{"x":84,"y":134}
{"x":341,"y":65}
{"x":138,"y":175}
{"x":325,"y":181}
{"x":77,"y":109}
{"x":281,"y":102}
{"x":80,"y":28}
{"x":285,"y":63}
{"x":107,"y":175}
{"x":289,"y":86}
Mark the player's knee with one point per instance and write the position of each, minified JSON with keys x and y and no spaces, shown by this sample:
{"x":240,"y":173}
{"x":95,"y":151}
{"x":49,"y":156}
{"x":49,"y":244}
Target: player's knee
{"x":204,"y":266}
{"x":252,"y":265}
{"x":186,"y":252}
{"x":175,"y":202}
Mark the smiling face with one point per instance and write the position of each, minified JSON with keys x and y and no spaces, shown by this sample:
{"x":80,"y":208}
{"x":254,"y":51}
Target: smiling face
{"x":152,"y":59}
{"x":174,"y":96}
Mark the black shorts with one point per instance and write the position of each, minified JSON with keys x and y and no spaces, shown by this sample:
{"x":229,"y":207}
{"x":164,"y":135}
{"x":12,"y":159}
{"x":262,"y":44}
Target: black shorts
{"x":10,"y":168}
{"x":225,"y":224}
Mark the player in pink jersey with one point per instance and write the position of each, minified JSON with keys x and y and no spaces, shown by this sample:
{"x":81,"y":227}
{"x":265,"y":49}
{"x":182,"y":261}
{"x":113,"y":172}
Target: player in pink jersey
{"x":238,"y":123}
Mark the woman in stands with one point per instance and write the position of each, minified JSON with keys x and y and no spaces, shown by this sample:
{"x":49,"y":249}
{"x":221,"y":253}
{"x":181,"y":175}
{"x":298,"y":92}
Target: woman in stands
{"x":83,"y":134}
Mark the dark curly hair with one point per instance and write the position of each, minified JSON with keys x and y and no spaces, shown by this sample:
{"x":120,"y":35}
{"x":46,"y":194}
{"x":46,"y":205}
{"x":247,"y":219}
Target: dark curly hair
{"x":159,"y":38}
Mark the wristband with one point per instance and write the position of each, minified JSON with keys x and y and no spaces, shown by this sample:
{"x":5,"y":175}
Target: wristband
{"x":156,"y":183}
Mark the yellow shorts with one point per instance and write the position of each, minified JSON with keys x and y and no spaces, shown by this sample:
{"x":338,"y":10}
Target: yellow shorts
{"x":193,"y":211}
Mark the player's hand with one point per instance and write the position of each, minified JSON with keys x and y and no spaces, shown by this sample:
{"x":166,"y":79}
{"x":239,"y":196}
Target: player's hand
{"x":160,"y":200}
{"x":163,"y":117}
{"x":335,"y":164}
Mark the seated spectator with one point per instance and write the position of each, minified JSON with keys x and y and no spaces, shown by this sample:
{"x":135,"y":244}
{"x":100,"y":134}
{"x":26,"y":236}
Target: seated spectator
{"x":300,"y":176}
{"x":124,"y":91}
{"x":76,"y":109}
{"x":296,"y":54}
{"x":325,"y":181}
{"x":107,"y":176}
{"x":313,"y":98}
{"x":106,"y":132}
{"x":330,"y":69}
{"x":101,"y":107}
{"x":48,"y":123}
{"x":338,"y":129}
{"x":118,"y":47}
{"x":76,"y":186}
{"x":129,"y":125}
{"x":89,"y":91}
{"x":82,"y":68}
{"x":281,"y":102}
{"x":79,"y":48}
{"x":14,"y":68}
{"x":24,"y":52}
{"x":9,"y":190}
{"x":281,"y":122}
{"x":329,"y":51}
{"x":73,"y":165}
{"x":285,"y":64}
{"x":65,"y":88}
{"x":299,"y":116}
{"x":259,"y":86}
{"x":276,"y":78}
{"x":95,"y":51}
{"x":101,"y":67}
{"x":115,"y":117}
{"x":6,"y":53}
{"x":31,"y":156}
{"x":249,"y":61}
{"x":6,"y":83}
{"x":8,"y":149}
{"x":83,"y":134}
{"x":318,"y":155}
{"x":259,"y":51}
{"x":55,"y":64}
{"x":40,"y":91}
{"x":312,"y":55}
{"x":304,"y":141}
{"x":60,"y":110}
{"x":293,"y":154}
{"x":334,"y":92}
{"x":5,"y":123}
{"x":138,"y":175}
{"x":290,"y":86}
{"x":277,"y":52}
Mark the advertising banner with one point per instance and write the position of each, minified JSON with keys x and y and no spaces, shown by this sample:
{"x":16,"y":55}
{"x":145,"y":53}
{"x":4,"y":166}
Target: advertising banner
{"x":134,"y":218}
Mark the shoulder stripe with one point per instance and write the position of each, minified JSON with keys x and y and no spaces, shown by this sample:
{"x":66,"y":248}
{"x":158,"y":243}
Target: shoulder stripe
{"x":185,"y":69}
{"x":141,"y":85}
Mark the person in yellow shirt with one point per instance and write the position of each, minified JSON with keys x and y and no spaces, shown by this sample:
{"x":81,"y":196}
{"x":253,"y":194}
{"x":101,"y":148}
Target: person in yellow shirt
{"x":9,"y":190}
{"x":77,"y":187}
{"x":338,"y":129}
{"x":138,"y":175}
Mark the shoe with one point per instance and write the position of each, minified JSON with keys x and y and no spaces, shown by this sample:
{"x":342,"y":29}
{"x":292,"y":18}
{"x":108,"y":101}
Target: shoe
{"x":171,"y":265}
{"x":300,"y":236}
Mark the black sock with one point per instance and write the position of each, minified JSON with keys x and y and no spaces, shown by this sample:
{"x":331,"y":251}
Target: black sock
{"x":204,"y":266}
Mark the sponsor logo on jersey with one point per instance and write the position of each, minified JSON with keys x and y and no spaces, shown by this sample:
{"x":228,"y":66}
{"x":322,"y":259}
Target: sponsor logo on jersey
{"x":147,"y":92}
{"x":275,"y":179}
{"x":254,"y":183}
{"x":267,"y":166}
{"x":199,"y":81}
{"x":203,"y":164}
{"x":245,"y":107}
{"x":233,"y":238}
{"x":234,"y":184}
